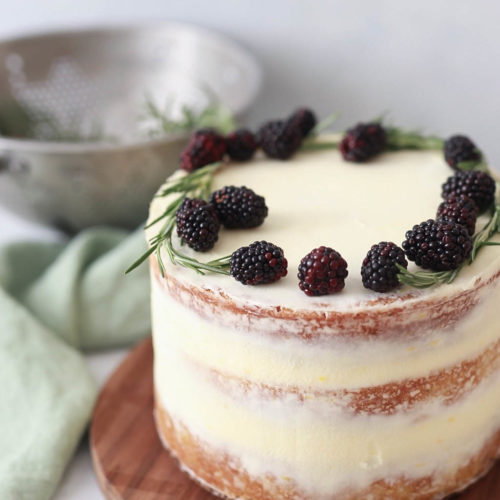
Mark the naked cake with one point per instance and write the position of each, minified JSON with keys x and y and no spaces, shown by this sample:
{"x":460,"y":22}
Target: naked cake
{"x":265,"y":392}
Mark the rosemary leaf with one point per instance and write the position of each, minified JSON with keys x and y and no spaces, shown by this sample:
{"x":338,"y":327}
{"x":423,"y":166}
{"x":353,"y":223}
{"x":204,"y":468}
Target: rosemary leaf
{"x":398,"y":139}
{"x":172,"y":208}
{"x":216,"y":116}
{"x":424,"y":279}
{"x":482,"y":238}
{"x":141,"y":259}
{"x":195,"y":184}
{"x":160,"y":262}
{"x":222,"y":261}
{"x":192,"y":182}
{"x":472,"y":165}
{"x":313,"y":145}
{"x":324,"y":124}
{"x":158,"y":121}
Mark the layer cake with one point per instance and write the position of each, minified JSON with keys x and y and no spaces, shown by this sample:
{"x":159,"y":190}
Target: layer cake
{"x":265,"y":393}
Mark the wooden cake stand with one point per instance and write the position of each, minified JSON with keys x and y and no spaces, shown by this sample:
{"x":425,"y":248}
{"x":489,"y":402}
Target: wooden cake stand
{"x":129,"y":459}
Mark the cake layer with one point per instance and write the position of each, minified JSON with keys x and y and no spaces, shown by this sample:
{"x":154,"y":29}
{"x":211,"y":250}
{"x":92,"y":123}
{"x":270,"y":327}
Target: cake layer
{"x":447,"y":385}
{"x":334,"y":364}
{"x":225,"y":475}
{"x":407,"y":314}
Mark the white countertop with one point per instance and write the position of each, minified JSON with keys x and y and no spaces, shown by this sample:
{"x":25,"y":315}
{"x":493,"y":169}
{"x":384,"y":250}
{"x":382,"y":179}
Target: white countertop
{"x":79,"y":482}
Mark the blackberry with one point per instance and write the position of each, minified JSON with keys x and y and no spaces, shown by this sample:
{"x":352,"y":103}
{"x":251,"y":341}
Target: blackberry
{"x":477,"y":185}
{"x":460,"y":149}
{"x":188,"y":204}
{"x":363,"y":142}
{"x":205,"y":146}
{"x":322,"y":272}
{"x":239,"y":207}
{"x":197,"y":224}
{"x":304,"y":119}
{"x":279,"y":139}
{"x":379,"y":271}
{"x":460,"y":209}
{"x":438,"y":245}
{"x":258,"y":264}
{"x":241,"y":145}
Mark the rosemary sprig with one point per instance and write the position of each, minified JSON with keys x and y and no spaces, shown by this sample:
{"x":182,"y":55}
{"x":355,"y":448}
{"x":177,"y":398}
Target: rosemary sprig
{"x":159,"y":121}
{"x":398,"y":139}
{"x":196,"y":184}
{"x":489,"y":230}
{"x":425,"y":279}
{"x":315,"y":145}
{"x":164,"y":241}
{"x":312,"y":144}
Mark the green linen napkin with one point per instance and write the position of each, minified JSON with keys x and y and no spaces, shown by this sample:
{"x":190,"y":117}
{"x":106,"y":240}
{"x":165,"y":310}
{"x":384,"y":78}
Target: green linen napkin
{"x":56,"y":299}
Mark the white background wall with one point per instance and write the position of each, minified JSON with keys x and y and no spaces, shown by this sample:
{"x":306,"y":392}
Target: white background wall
{"x":432,"y":63}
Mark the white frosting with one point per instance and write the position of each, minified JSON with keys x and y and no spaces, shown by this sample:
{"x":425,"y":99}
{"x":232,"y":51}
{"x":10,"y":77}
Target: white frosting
{"x":318,"y":199}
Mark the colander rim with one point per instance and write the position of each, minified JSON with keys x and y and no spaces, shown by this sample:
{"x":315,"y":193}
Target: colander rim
{"x":32,"y":145}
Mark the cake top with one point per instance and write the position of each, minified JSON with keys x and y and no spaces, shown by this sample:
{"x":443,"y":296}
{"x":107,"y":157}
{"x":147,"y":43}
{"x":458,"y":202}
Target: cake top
{"x":316,"y":198}
{"x":337,"y":202}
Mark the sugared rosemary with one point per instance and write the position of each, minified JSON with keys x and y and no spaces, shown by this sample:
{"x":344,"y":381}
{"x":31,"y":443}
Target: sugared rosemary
{"x":197,"y":184}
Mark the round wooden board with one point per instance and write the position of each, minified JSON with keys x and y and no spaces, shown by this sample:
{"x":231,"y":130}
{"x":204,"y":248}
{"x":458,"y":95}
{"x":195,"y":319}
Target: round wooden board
{"x":129,"y":459}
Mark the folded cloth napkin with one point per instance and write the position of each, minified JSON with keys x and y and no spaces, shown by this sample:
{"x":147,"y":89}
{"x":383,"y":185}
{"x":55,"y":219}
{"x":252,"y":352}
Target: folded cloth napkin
{"x":57,"y":299}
